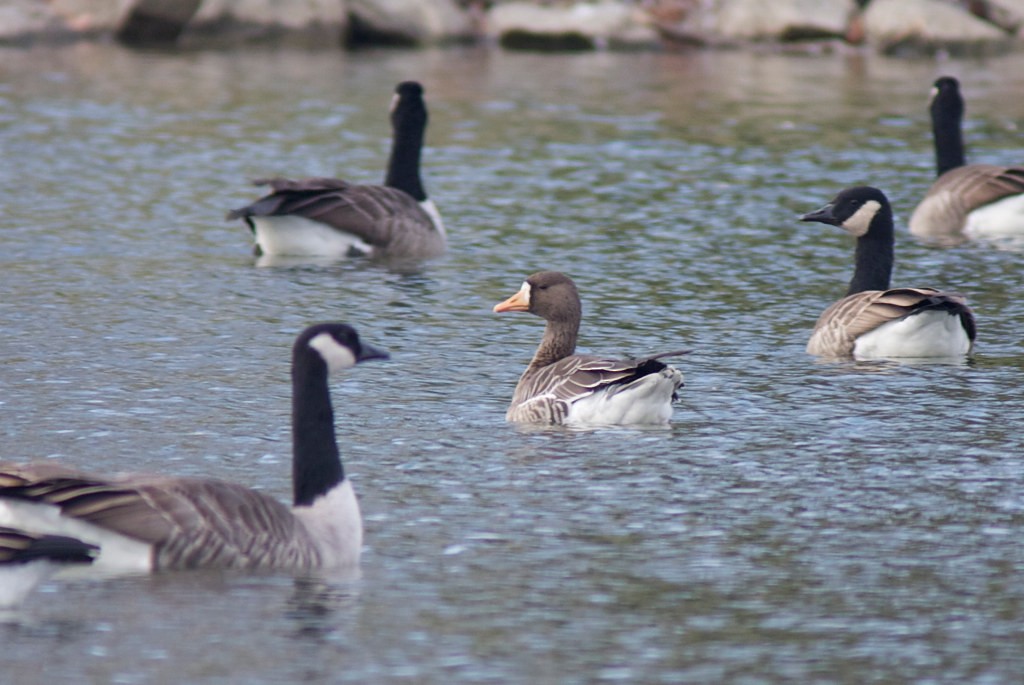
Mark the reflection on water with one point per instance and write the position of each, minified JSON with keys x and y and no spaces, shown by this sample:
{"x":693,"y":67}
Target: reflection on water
{"x":799,"y":521}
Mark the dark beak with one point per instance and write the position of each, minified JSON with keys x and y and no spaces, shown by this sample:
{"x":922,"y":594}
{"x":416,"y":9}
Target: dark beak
{"x":823,"y":215}
{"x":368,"y":352}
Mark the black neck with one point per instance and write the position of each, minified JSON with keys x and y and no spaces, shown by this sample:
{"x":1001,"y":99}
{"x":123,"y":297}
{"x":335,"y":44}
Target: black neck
{"x":949,"y":140}
{"x":316,"y":464}
{"x":874,"y":256}
{"x":404,"y":163}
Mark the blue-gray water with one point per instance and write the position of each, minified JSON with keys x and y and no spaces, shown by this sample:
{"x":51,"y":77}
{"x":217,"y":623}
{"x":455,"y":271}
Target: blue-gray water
{"x":800,"y":522}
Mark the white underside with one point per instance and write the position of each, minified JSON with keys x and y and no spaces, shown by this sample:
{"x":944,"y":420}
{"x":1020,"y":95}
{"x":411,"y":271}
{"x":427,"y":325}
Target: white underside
{"x":645,"y":401}
{"x":118,"y":554}
{"x":927,"y":334}
{"x":1001,"y":218}
{"x":296,"y":236}
{"x":335,"y":522}
{"x":18,"y":580}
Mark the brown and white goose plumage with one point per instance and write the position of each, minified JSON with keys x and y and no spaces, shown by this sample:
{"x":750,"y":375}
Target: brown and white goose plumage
{"x":27,"y":559}
{"x":561,"y":387}
{"x":874,"y":320}
{"x":966,"y":199}
{"x":333,"y":218}
{"x":156,"y":522}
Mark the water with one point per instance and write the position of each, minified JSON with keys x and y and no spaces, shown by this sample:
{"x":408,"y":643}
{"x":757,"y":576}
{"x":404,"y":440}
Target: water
{"x":799,"y":521}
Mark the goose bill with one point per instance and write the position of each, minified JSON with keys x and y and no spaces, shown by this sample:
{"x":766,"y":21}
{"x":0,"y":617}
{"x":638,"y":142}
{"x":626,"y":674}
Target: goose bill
{"x":520,"y":302}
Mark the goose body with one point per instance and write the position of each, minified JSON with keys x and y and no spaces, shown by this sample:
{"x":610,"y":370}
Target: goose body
{"x":966,"y":200}
{"x":561,"y":387}
{"x":27,"y":559}
{"x":329,"y":217}
{"x":873,"y":320}
{"x":154,"y":522}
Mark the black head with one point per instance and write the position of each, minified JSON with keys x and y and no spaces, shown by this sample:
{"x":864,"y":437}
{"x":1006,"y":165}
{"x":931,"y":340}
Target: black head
{"x":408,"y":108}
{"x":337,"y":344}
{"x":854,"y":210}
{"x":946,"y":97}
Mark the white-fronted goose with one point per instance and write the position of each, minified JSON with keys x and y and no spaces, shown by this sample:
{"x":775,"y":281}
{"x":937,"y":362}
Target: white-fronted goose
{"x":966,"y":199}
{"x":874,"y":321}
{"x":329,"y":217}
{"x":155,"y":522}
{"x":27,"y":559}
{"x":561,"y":387}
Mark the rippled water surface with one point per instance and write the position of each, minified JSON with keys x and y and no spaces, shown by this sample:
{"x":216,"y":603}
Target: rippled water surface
{"x":799,"y":522}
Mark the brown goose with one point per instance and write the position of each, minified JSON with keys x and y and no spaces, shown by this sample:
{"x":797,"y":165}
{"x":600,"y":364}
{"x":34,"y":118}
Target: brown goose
{"x":561,"y":387}
{"x":874,"y":321}
{"x":27,"y":559}
{"x":966,"y":199}
{"x":329,"y":217}
{"x":154,"y":522}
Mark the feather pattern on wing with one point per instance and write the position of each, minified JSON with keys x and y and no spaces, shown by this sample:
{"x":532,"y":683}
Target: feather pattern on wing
{"x":190,"y":523}
{"x":961,"y":190}
{"x":546,"y":394}
{"x":388,"y":219}
{"x":839,"y":326}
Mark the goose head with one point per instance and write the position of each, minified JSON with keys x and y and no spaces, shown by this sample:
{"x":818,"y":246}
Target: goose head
{"x":860,"y":211}
{"x":337,"y":345}
{"x":550,"y":295}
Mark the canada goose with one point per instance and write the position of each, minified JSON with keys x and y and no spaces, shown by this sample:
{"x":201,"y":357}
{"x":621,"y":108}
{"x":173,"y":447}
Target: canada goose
{"x":329,"y":217}
{"x":561,"y":387}
{"x":27,"y":559}
{"x":966,"y":199}
{"x":155,"y":522}
{"x":873,"y":321}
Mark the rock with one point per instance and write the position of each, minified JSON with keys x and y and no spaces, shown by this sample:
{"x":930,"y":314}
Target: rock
{"x":1006,"y":14}
{"x":155,"y":22}
{"x":927,"y":26}
{"x":732,"y":21}
{"x":24,"y":21}
{"x":407,"y":22}
{"x":309,"y":22}
{"x":576,"y":26}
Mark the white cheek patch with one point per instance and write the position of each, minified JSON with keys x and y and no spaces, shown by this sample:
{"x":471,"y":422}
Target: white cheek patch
{"x":336,"y":355}
{"x":859,"y":223}
{"x":524,"y":290}
{"x":394,"y":103}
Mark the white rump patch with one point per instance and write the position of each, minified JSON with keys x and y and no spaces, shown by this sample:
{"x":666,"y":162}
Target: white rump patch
{"x":860,"y":222}
{"x":118,"y":553}
{"x":1000,"y":218}
{"x":296,"y":236}
{"x":931,"y":333}
{"x":336,"y":355}
{"x":645,"y":401}
{"x":335,"y":524}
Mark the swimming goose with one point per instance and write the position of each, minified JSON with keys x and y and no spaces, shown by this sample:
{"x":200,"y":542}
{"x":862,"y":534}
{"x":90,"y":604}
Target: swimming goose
{"x":874,"y":321}
{"x":156,"y":522}
{"x":966,"y":199}
{"x":560,"y":387}
{"x":329,"y":217}
{"x":27,"y":559}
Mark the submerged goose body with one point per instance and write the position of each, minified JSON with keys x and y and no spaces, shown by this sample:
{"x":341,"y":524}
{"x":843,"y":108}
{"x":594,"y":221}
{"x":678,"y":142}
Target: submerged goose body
{"x":27,"y":559}
{"x":966,"y":199}
{"x":329,"y":217}
{"x":154,"y":522}
{"x":561,"y":387}
{"x":874,"y":320}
